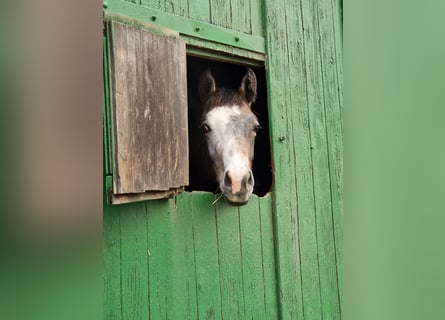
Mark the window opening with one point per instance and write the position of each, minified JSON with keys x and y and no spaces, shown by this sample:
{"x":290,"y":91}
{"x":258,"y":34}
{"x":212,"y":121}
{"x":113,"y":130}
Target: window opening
{"x":226,"y":75}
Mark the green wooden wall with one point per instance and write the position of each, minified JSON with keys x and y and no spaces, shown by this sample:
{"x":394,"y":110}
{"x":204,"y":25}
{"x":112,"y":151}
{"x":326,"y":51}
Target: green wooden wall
{"x":240,"y":15}
{"x":279,"y":257}
{"x":305,"y":92}
{"x":186,"y":259}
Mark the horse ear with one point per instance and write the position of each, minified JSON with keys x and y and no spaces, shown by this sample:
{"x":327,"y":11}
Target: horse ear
{"x":248,"y":86}
{"x":207,"y":85}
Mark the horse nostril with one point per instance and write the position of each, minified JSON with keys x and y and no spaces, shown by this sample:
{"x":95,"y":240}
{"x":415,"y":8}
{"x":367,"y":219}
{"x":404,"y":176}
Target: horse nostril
{"x":250,"y":180}
{"x":227,"y":179}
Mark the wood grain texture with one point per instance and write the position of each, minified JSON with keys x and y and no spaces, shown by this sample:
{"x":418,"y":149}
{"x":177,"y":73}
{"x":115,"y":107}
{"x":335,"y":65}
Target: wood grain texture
{"x":302,"y":111}
{"x":208,"y":283}
{"x":134,"y":264}
{"x":230,"y":263}
{"x":240,"y":15}
{"x":280,"y":256}
{"x":285,"y":208}
{"x":112,"y":304}
{"x":268,"y":258}
{"x":150,"y":111}
{"x":330,"y":226}
{"x":160,"y":248}
{"x":183,"y":257}
{"x":252,"y":260}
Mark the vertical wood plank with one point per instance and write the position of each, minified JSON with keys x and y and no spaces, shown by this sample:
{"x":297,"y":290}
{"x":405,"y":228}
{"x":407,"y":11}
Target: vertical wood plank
{"x":178,"y":146}
{"x":257,"y":17}
{"x":134,"y":261}
{"x":179,"y":7}
{"x":183,"y":267}
{"x":206,"y":257}
{"x":150,"y":111}
{"x":307,"y":136}
{"x":160,"y":251}
{"x":220,"y":13}
{"x":329,"y":17}
{"x":112,"y":263}
{"x":106,"y":107}
{"x":268,"y":258}
{"x":155,"y":4}
{"x":321,"y":85}
{"x":235,"y":21}
{"x":199,"y":10}
{"x":252,"y":260}
{"x":240,"y":16}
{"x":281,"y":79}
{"x":336,"y":153}
{"x":230,"y":264}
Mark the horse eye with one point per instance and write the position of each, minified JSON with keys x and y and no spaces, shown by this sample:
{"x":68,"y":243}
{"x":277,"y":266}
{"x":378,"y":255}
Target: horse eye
{"x":256,"y":128}
{"x":205,"y":128}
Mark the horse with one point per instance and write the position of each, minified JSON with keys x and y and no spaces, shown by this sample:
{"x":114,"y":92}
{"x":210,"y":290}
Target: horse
{"x":224,"y":149}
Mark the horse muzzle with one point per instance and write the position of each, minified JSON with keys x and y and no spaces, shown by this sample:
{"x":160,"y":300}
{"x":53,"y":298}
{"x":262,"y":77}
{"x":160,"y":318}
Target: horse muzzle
{"x":237,"y":187}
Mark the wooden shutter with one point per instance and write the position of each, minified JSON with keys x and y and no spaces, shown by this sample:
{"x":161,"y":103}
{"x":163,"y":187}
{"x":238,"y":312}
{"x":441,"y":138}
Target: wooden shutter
{"x":149,"y":92}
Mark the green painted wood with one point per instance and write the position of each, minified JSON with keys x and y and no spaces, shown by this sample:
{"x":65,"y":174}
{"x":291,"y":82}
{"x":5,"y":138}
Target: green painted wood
{"x":229,"y":257}
{"x":134,"y":261}
{"x":112,"y":303}
{"x":281,"y":256}
{"x":220,"y":14}
{"x":155,"y":4}
{"x":280,"y":90}
{"x":160,"y":248}
{"x":208,"y":285}
{"x":268,"y":257}
{"x":252,"y":260}
{"x":185,"y":304}
{"x":333,"y":75}
{"x":240,"y":15}
{"x":257,"y":14}
{"x":318,"y":98}
{"x":199,"y":10}
{"x":301,"y":124}
{"x":186,"y":26}
{"x":179,"y":7}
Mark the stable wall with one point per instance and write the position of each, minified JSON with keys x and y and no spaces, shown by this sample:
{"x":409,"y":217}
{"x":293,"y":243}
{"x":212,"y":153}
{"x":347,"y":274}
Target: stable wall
{"x":280,"y":256}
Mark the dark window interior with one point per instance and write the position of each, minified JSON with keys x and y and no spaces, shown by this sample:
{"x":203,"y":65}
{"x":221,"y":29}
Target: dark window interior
{"x":228,"y":75}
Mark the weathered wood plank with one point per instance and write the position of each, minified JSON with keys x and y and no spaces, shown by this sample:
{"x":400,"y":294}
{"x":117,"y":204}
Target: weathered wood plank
{"x":268,"y":258}
{"x":160,"y":254}
{"x":134,"y":264}
{"x":307,"y":215}
{"x":317,"y":84}
{"x":252,"y":260}
{"x":199,"y":10}
{"x":206,"y":257}
{"x":178,"y":7}
{"x":155,"y":4}
{"x":150,"y":117}
{"x":257,"y":13}
{"x":106,"y":108}
{"x":183,"y":265}
{"x":112,"y":263}
{"x":151,"y":195}
{"x":191,"y":28}
{"x":220,"y":13}
{"x":240,"y":16}
{"x":230,"y":264}
{"x":283,"y":83}
{"x":332,"y":74}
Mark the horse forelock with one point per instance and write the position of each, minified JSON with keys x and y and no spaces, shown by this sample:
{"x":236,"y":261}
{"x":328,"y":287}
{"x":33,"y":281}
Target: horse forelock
{"x":225,"y":97}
